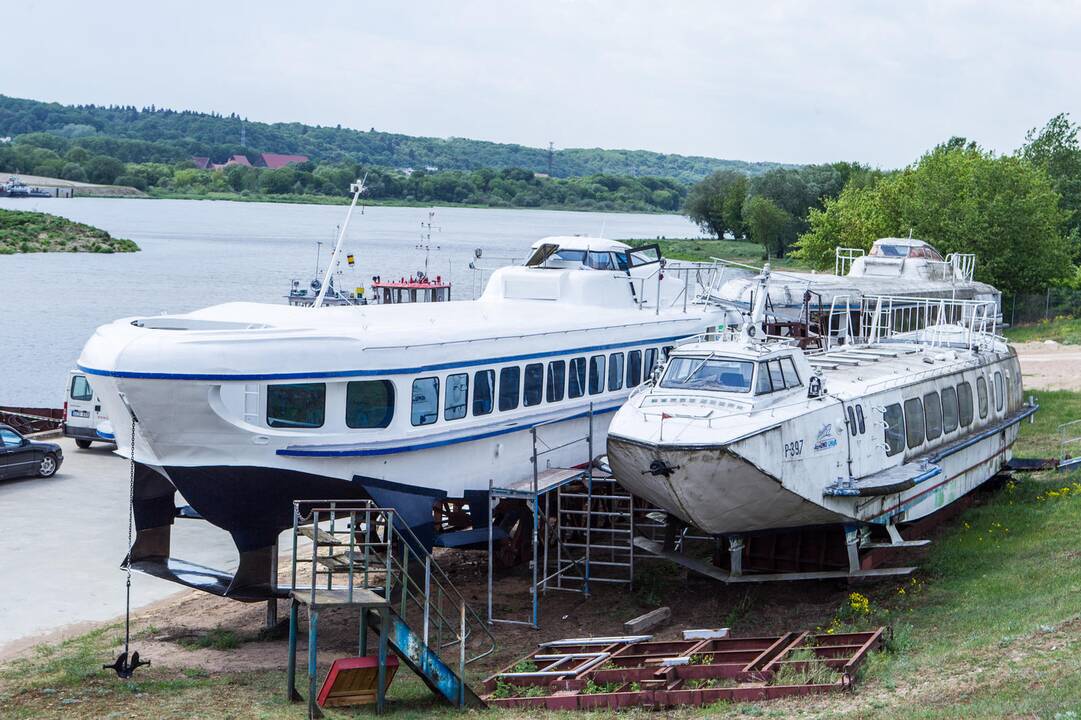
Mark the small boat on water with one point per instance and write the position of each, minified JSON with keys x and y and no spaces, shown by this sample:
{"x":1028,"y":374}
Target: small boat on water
{"x":737,"y":433}
{"x":14,"y":188}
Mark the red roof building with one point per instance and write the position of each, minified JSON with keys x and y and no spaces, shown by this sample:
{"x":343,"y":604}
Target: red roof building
{"x":275,"y":161}
{"x":238,"y":160}
{"x":203,"y":163}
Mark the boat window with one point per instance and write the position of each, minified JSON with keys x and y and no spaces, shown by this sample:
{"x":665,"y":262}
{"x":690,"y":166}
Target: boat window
{"x":914,"y":422}
{"x":667,"y":350}
{"x":932,"y":410}
{"x":80,"y":388}
{"x":296,"y":406}
{"x":791,"y":377}
{"x":425,"y":400}
{"x":763,"y":386}
{"x":621,"y":261}
{"x":596,"y":374}
{"x":859,"y":419}
{"x":533,"y":390}
{"x":949,"y":409}
{"x":644,"y":255}
{"x":981,"y":393}
{"x":578,"y":256}
{"x":964,"y":403}
{"x":651,"y":361}
{"x":600,"y":261}
{"x":1000,"y":395}
{"x":541,"y":254}
{"x":890,"y":251}
{"x":510,"y":379}
{"x":634,"y":368}
{"x":483,"y":390}
{"x":369,"y":403}
{"x":714,"y":374}
{"x":457,"y":396}
{"x":850,"y":422}
{"x":895,"y":429}
{"x":557,"y":381}
{"x":576,"y":380}
{"x":775,"y":375}
{"x":615,"y":371}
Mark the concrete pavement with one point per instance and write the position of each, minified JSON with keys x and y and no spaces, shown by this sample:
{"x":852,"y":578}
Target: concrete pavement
{"x":62,"y":540}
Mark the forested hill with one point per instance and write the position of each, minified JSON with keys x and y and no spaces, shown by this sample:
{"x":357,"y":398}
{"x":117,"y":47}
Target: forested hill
{"x":160,"y":135}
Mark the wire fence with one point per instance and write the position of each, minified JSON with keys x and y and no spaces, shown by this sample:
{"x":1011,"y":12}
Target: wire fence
{"x":1032,"y":308}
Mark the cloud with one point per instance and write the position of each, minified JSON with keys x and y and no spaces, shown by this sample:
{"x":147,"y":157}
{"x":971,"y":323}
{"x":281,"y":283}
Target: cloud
{"x":798,"y":82}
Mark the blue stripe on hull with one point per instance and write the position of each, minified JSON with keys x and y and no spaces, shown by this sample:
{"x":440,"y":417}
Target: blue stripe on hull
{"x":380,"y":372}
{"x":329,"y":451}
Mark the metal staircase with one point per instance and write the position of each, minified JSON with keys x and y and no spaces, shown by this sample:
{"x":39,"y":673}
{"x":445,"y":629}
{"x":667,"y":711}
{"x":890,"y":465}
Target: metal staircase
{"x":364,"y":558}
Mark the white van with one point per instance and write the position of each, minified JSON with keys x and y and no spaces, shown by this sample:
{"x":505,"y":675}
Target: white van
{"x":82,"y":412}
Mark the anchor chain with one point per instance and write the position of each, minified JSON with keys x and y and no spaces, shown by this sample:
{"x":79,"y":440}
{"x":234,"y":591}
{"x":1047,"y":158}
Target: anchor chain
{"x":124,"y":666}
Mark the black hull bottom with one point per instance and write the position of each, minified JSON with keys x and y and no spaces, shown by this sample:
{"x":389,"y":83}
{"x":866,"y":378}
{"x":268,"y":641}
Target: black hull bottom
{"x":255,"y":505}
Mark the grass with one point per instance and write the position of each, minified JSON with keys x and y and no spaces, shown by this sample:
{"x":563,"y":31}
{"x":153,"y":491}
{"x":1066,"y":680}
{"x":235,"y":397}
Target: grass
{"x":218,"y":639}
{"x":989,"y":627}
{"x":31,"y":232}
{"x":812,"y":670}
{"x":1066,"y":330}
{"x":703,"y":250}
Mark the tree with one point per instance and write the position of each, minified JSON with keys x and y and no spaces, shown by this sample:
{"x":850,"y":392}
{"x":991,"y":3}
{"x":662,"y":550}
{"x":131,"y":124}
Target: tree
{"x":103,"y":169}
{"x":959,"y":198}
{"x":713,"y":203}
{"x":1056,"y":150}
{"x":73,"y":171}
{"x":766,"y":224}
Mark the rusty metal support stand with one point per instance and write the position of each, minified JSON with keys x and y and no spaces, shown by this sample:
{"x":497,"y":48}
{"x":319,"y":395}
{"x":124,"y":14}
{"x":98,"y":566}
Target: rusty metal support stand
{"x":735,"y":554}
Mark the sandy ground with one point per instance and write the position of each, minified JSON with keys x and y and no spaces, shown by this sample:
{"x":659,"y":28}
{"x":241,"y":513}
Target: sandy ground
{"x":1050,"y":366}
{"x":81,"y":189}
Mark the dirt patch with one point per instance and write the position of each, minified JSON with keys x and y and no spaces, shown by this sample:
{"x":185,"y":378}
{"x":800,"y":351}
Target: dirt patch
{"x":1050,"y":365}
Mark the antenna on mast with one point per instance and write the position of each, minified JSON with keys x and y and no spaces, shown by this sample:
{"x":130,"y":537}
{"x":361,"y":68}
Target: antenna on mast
{"x":426,"y":238}
{"x":357,"y":188}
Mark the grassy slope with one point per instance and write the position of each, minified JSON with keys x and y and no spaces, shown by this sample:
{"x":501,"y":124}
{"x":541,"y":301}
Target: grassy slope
{"x":40,"y":232}
{"x":1065,"y":330}
{"x":990,"y":627}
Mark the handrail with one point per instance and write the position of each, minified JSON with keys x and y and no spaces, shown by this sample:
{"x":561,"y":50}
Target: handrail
{"x":397,"y":572}
{"x":1063,"y":430}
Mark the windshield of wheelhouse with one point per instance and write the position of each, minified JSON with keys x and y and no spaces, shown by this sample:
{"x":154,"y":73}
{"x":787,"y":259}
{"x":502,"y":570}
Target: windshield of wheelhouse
{"x":712,"y":374}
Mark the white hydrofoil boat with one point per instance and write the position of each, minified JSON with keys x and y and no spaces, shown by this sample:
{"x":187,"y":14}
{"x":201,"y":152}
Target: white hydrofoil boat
{"x":246,"y":407}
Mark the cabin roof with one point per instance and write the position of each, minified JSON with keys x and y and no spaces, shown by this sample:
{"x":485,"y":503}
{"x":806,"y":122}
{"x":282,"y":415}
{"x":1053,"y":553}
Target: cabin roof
{"x":582,"y":242}
{"x":907,"y":242}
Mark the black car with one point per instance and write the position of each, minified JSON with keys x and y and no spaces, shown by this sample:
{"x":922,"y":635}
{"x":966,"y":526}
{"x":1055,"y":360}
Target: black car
{"x":19,"y":456}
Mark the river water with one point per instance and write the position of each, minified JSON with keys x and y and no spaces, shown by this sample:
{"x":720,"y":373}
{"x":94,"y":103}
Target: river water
{"x":198,"y":253}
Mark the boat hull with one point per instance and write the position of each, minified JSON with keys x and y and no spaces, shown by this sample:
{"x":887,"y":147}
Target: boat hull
{"x":712,"y":488}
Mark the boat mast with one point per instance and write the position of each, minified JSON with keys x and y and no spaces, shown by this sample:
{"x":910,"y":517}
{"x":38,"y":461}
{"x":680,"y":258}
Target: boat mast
{"x":357,"y":188}
{"x":758,"y":311}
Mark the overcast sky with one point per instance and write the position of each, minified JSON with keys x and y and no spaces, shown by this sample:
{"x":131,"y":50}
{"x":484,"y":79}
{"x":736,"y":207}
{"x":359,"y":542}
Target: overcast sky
{"x":794,"y":82}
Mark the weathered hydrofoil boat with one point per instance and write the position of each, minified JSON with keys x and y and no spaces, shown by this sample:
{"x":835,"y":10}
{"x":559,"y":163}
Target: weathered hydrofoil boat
{"x":246,"y":407}
{"x":738,"y":433}
{"x":800,"y":304}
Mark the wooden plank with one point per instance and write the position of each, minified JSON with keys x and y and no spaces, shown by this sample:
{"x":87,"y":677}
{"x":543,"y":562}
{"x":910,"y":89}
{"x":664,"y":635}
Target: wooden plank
{"x":361,"y":597}
{"x":705,"y":634}
{"x":353,"y":681}
{"x":652,"y":619}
